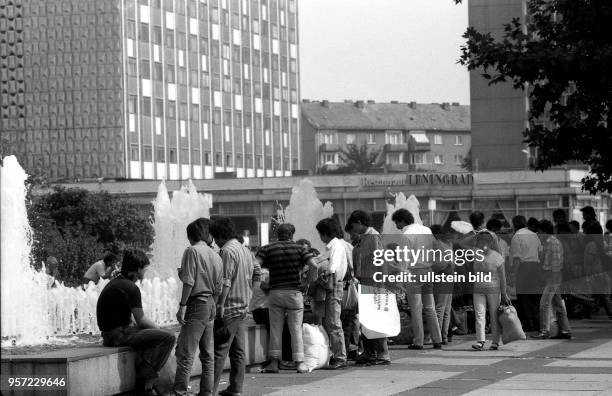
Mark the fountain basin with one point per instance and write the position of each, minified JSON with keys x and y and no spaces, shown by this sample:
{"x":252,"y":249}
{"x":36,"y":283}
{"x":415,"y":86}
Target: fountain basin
{"x":98,"y":371}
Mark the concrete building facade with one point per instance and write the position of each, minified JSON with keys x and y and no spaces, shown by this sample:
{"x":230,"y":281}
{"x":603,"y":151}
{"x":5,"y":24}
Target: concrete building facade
{"x":151,"y":89}
{"x":407,"y":136}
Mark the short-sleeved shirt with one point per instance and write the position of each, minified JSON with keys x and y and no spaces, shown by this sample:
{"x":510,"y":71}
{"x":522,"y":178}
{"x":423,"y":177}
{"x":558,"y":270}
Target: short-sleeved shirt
{"x":490,"y":265}
{"x":553,"y":255}
{"x":525,"y":246}
{"x":202,"y":269}
{"x":284,"y":260}
{"x":96,"y":271}
{"x":115,"y":304}
{"x":240,"y":269}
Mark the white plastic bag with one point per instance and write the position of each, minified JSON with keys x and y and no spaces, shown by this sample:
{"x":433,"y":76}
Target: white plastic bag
{"x":378,"y":313}
{"x":316,"y":346}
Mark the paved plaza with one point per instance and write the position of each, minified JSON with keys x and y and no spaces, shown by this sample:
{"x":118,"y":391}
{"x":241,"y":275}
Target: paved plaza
{"x":582,"y":366}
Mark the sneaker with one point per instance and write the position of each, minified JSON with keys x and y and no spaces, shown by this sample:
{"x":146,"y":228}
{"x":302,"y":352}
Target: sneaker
{"x":336,"y":365}
{"x":563,"y":335}
{"x":352,"y":355}
{"x":437,"y":345}
{"x":494,"y":347}
{"x":286,"y":365}
{"x":479,"y":346}
{"x":541,"y":336}
{"x":382,"y":362}
{"x":415,"y":347}
{"x":365,"y":360}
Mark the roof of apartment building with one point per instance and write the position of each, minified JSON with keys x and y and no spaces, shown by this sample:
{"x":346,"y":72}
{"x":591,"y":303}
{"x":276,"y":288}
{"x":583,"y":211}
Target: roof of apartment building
{"x":395,"y":115}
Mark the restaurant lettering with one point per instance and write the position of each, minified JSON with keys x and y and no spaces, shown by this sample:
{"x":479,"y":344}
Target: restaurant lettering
{"x":413,"y":179}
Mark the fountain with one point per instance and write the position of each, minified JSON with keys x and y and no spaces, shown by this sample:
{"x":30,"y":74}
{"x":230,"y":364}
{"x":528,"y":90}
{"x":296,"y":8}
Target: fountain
{"x":401,"y":202}
{"x":305,"y":210}
{"x":43,"y":314}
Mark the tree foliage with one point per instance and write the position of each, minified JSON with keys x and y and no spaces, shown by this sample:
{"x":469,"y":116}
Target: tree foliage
{"x":359,"y":159}
{"x":77,"y":226}
{"x":561,"y":56}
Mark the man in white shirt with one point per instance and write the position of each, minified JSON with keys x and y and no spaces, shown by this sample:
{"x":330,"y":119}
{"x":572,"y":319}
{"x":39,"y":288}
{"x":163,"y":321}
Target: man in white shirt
{"x":420,"y":295}
{"x":338,"y":264}
{"x":525,"y":250}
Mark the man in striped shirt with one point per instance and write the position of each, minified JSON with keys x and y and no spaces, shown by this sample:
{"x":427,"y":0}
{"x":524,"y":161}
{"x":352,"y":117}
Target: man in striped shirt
{"x":285,"y":259}
{"x":240,"y":274}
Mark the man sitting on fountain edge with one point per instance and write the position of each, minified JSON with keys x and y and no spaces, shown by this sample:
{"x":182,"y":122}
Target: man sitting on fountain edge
{"x":118,"y":301}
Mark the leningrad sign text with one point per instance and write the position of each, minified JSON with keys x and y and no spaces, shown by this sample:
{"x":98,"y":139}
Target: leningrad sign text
{"x":452,"y":179}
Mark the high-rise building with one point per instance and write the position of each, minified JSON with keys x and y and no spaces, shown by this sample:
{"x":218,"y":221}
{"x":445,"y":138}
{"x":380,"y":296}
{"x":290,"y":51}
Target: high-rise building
{"x":499,"y":112}
{"x":151,"y":89}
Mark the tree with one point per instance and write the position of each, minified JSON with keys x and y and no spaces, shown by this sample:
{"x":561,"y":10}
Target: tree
{"x":466,"y":163}
{"x":359,"y":159}
{"x":77,"y":226}
{"x":562,"y":56}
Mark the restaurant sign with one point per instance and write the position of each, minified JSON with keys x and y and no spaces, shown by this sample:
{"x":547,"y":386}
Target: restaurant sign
{"x":424,"y":179}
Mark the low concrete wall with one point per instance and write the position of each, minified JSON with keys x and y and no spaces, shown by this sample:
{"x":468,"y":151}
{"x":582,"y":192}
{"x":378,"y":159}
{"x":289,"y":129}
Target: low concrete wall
{"x":101,"y":371}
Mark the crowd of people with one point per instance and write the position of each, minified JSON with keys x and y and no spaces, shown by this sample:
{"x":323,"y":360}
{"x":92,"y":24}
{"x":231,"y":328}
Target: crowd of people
{"x":287,"y":283}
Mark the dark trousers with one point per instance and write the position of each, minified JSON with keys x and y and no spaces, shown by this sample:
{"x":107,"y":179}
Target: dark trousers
{"x":528,"y":294}
{"x":197,"y":332}
{"x":261,"y":316}
{"x":230,"y":339}
{"x":153,"y":347}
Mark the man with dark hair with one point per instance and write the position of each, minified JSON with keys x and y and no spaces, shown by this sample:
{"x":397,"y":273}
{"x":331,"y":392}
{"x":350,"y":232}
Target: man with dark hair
{"x":533,"y":224}
{"x":284,"y":260}
{"x":420,"y":295}
{"x":338,"y":265}
{"x":240,"y":273}
{"x":201,"y":272}
{"x":101,"y":269}
{"x":118,"y":302}
{"x":552,"y":266}
{"x":477,"y":219}
{"x":375,"y":351}
{"x":525,"y":251}
{"x":559,"y":216}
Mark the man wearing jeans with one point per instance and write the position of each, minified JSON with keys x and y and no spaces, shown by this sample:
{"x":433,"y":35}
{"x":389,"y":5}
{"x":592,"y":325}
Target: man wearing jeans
{"x":284,"y":259}
{"x":118,"y":301}
{"x":551,"y":296}
{"x":241,"y":273}
{"x":420,"y":295}
{"x":338,"y":264}
{"x":202,"y":275}
{"x":367,"y":241}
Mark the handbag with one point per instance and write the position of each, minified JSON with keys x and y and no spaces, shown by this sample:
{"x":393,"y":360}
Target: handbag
{"x":350,"y":297}
{"x":511,"y":329}
{"x":378,"y":313}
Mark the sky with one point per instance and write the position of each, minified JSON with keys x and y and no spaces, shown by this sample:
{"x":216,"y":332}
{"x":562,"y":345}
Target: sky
{"x":383,"y":50}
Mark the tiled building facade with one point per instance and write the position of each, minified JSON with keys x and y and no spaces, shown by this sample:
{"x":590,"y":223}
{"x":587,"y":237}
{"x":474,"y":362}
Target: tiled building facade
{"x":151,"y":88}
{"x":407,"y":136}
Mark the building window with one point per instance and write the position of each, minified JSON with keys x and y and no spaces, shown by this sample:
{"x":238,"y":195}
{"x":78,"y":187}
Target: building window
{"x":160,"y":154}
{"x":158,"y":71}
{"x":329,"y":158}
{"x":207,"y":158}
{"x":171,"y":108}
{"x":350,"y":138}
{"x":371,"y":138}
{"x":418,"y":158}
{"x":172,"y":155}
{"x":395,"y":158}
{"x":156,"y":36}
{"x":228,"y":160}
{"x":438,"y":159}
{"x":394,"y":138}
{"x":328,"y":138}
{"x":131,"y":67}
{"x":458,"y":140}
{"x":170,"y":74}
{"x":146,"y":106}
{"x":458,"y":159}
{"x":132,"y":104}
{"x":437,"y":139}
{"x":144,"y":32}
{"x":147,"y":154}
{"x":134,"y":153}
{"x":131,"y":29}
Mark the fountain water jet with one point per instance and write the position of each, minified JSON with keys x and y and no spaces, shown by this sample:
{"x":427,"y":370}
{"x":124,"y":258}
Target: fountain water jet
{"x":305,"y":210}
{"x":33,"y":313}
{"x":401,"y":202}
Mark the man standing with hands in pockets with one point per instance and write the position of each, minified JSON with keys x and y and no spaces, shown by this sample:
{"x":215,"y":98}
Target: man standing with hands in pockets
{"x":202,"y":275}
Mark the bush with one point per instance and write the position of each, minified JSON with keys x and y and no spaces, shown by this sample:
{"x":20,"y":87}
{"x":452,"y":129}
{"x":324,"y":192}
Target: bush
{"x":77,"y":227}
